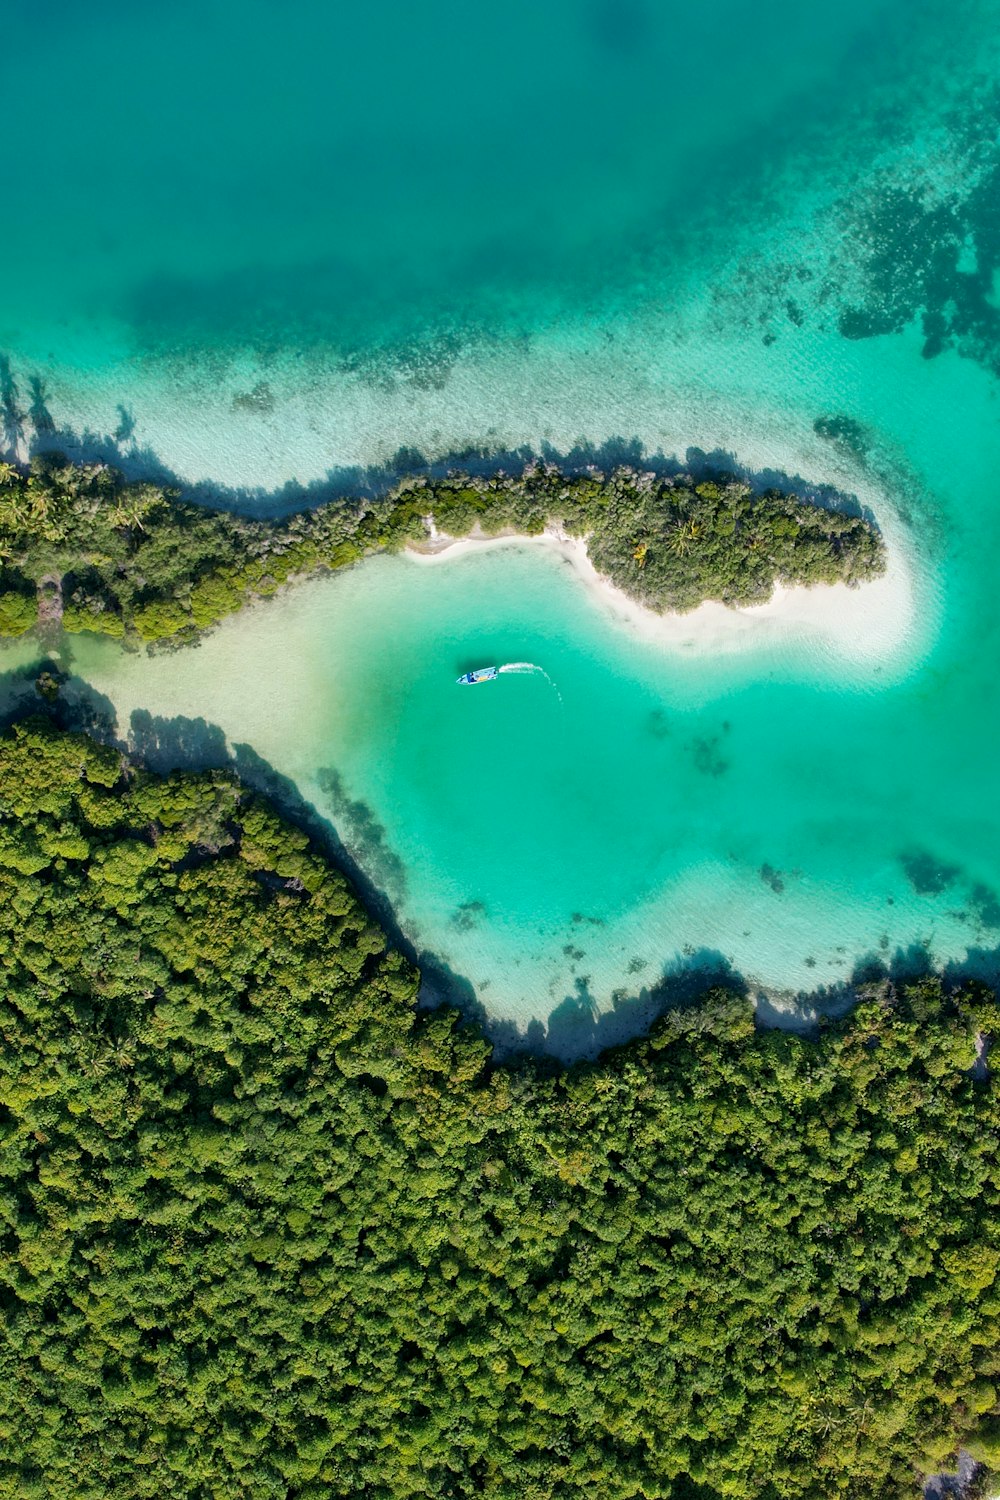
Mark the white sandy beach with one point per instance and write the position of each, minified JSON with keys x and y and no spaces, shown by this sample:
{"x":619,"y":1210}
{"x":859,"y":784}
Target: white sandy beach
{"x":870,"y":624}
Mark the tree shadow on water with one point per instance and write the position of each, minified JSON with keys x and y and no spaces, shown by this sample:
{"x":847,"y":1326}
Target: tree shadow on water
{"x":44,"y":686}
{"x":282,"y":791}
{"x":171,"y":744}
{"x":38,"y":411}
{"x":875,"y":975}
{"x":577,"y":1029}
{"x":11,"y":415}
{"x":20,"y":696}
{"x":37,"y":431}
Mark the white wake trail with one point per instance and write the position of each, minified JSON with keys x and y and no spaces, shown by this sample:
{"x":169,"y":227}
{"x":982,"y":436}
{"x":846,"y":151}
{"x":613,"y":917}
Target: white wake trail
{"x":530,"y":666}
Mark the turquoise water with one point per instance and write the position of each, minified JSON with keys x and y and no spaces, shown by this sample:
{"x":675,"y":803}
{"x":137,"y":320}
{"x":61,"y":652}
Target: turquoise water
{"x":264,"y":251}
{"x":250,"y":246}
{"x":344,"y":175}
{"x":558,"y":838}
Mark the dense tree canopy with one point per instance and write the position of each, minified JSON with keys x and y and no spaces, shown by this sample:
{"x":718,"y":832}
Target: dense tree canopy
{"x":268,"y":1234}
{"x":80,"y":546}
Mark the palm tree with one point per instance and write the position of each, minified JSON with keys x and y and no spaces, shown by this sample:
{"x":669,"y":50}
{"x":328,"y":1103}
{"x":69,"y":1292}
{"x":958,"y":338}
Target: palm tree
{"x":132,"y":506}
{"x":15,"y":512}
{"x":42,"y":512}
{"x":682,"y":535}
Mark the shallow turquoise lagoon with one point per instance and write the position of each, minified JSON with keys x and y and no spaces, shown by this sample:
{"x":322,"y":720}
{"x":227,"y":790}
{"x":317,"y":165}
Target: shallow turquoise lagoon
{"x":560,"y":839}
{"x":262,"y":252}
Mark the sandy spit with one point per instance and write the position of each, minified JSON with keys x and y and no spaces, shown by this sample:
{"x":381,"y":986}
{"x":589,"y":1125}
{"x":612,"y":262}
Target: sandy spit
{"x":869,"y":624}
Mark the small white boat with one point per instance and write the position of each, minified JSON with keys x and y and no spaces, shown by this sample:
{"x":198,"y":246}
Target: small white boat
{"x":481,"y":674}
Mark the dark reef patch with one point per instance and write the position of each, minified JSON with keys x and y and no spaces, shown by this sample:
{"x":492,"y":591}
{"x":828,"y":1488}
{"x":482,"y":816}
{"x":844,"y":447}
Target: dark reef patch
{"x":468,"y":916}
{"x":933,"y":256}
{"x":984,"y":905}
{"x":913,"y":250}
{"x":707,"y":755}
{"x":928,"y":875}
{"x":844,"y":433}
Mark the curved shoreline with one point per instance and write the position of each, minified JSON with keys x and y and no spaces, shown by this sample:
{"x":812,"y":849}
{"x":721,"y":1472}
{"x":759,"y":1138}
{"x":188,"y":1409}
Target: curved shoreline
{"x":869,"y":624}
{"x":717,"y":539}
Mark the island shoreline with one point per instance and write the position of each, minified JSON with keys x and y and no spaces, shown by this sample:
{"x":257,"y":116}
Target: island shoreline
{"x":868,"y":622}
{"x":654,"y":550}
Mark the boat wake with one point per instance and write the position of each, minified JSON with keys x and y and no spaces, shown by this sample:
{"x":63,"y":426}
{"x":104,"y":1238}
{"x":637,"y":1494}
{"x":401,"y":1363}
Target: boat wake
{"x":529,"y":666}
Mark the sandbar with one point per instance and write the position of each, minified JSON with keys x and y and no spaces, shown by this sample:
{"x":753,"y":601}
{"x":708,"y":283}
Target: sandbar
{"x":868,"y":624}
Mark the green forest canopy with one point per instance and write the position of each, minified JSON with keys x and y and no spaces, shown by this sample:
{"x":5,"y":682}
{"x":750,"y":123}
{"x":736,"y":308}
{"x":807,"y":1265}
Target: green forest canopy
{"x":268,"y":1233}
{"x":133,"y":561}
